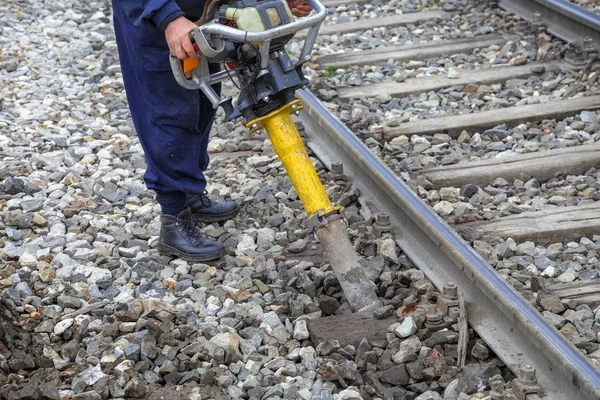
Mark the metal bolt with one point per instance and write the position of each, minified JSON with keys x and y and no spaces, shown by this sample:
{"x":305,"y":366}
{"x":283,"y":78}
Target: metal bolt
{"x":381,"y":224}
{"x":254,"y":126}
{"x":297,"y":112}
{"x":336,"y":172}
{"x":525,"y":385}
{"x":434,"y":318}
{"x":538,"y":23}
{"x":523,"y":27}
{"x":525,"y":30}
{"x":527,"y":374}
{"x":434,"y":322}
{"x":294,"y":106}
{"x":337,"y":167}
{"x":450,"y":291}
{"x":382,"y":218}
{"x":266,"y":99}
{"x":430,"y":295}
{"x":447,"y":303}
{"x":454,"y":313}
{"x":576,"y":57}
{"x":588,"y":45}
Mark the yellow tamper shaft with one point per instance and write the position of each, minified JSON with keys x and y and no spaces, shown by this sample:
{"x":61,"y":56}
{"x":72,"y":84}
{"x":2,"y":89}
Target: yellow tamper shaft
{"x":289,"y":147}
{"x":340,"y":253}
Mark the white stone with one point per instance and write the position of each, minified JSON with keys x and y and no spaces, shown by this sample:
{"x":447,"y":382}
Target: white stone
{"x":451,"y":390}
{"x":27,"y":260}
{"x":258,"y":161}
{"x":532,"y":269}
{"x":568,"y":276}
{"x":123,"y":367}
{"x":272,"y":319}
{"x":449,"y":194}
{"x":182,"y":270}
{"x":443,"y":208}
{"x":588,"y":116}
{"x":386,"y":246}
{"x":558,"y":200}
{"x":92,"y":375}
{"x":549,"y":272}
{"x":348,"y":394}
{"x":406,"y":328}
{"x":245,"y":245}
{"x":216,"y":145}
{"x":99,"y":275}
{"x":308,"y":353}
{"x":58,"y":362}
{"x":125,"y":296}
{"x":62,"y":326}
{"x":301,"y":330}
{"x":400,"y":140}
{"x":429,"y":395}
{"x":527,"y":248}
{"x":99,"y":223}
{"x":266,"y":238}
{"x":82,"y":320}
{"x":227,"y":341}
{"x":412,"y":344}
{"x":108,"y":358}
{"x":453,"y":74}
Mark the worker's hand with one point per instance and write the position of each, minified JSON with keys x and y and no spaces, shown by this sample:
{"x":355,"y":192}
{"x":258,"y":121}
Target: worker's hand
{"x":178,"y":38}
{"x":302,"y":8}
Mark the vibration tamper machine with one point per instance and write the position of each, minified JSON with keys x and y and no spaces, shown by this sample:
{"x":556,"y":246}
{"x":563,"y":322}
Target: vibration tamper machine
{"x":248,"y":38}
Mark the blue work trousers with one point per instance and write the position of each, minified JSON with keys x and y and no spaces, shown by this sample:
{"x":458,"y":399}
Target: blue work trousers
{"x":173,"y":123}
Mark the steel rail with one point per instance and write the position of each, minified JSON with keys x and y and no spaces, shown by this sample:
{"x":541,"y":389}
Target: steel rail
{"x":514,"y":330}
{"x":562,"y":18}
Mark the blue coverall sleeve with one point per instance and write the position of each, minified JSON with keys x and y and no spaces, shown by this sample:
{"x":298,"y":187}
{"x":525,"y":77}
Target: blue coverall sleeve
{"x":148,"y":12}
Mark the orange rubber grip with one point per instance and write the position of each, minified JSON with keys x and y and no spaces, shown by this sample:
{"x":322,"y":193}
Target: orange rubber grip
{"x":189,"y":64}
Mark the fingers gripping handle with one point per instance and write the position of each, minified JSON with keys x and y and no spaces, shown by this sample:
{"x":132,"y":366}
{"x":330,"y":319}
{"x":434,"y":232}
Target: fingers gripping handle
{"x":202,"y":46}
{"x":200,"y":74}
{"x":205,"y":48}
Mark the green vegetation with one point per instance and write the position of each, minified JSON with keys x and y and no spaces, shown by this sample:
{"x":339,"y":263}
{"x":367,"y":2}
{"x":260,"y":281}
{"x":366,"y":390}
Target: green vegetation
{"x":328,"y":72}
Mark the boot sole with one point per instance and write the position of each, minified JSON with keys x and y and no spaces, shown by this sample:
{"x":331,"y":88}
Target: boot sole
{"x":167,"y":250}
{"x":216,"y":218}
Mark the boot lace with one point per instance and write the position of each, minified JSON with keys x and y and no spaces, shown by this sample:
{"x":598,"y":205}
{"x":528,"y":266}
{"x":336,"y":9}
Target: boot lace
{"x":187,"y":225}
{"x":204,"y":199}
{"x":206,"y":202}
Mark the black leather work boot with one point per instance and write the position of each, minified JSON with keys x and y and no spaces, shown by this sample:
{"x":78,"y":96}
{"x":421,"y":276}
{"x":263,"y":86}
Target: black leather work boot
{"x":206,"y":210}
{"x":180,"y":237}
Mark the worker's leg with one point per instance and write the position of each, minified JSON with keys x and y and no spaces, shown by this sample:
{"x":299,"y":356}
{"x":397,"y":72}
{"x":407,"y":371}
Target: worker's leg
{"x":173,"y":125}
